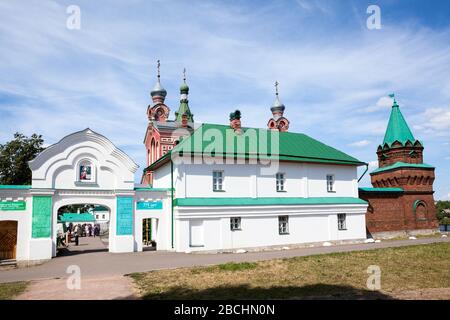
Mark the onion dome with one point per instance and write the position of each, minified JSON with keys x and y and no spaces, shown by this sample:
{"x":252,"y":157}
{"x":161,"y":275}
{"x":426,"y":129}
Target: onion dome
{"x":158,"y":93}
{"x":277,"y":107}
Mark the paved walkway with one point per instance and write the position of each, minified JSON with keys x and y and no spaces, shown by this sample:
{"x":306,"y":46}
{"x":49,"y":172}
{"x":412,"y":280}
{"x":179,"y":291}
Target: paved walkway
{"x":101,"y":264}
{"x":97,"y":288}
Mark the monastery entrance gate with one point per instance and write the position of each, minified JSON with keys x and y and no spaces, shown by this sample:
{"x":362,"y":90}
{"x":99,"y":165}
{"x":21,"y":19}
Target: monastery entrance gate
{"x":82,"y":168}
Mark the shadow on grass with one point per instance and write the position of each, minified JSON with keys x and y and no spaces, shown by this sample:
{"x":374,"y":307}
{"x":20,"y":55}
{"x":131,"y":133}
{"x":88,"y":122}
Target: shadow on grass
{"x":244,"y":292}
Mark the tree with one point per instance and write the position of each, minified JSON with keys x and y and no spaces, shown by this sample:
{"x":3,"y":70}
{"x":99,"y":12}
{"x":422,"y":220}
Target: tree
{"x":14,"y":157}
{"x":442,"y":212}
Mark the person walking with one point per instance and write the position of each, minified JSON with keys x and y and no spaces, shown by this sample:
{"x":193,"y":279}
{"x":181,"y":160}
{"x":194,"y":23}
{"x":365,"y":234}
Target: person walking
{"x":77,"y":231}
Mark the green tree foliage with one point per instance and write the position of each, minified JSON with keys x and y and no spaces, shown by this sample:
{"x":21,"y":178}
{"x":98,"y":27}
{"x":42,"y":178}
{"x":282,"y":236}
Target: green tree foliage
{"x":14,"y":157}
{"x":442,"y":215}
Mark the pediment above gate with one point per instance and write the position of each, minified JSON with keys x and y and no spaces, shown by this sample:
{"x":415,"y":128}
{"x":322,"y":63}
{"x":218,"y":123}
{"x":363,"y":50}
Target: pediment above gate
{"x":83,"y":160}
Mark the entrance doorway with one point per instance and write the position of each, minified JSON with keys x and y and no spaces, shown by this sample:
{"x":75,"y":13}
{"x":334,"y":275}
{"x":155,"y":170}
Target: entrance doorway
{"x":82,"y":228}
{"x":149,"y":227}
{"x":8,"y":240}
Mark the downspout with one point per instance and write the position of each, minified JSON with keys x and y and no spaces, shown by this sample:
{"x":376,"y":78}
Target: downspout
{"x":367,"y":168}
{"x":171,"y":196}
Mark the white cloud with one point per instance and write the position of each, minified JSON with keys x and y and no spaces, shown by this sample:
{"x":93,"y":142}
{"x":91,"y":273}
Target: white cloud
{"x":382,"y":103}
{"x":373,"y":164}
{"x":360,"y":143}
{"x":59,"y":81}
{"x":436,"y":118}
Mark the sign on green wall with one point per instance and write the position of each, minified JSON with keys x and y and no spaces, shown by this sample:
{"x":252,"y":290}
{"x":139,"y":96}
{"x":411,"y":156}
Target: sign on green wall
{"x":13,"y":206}
{"x":124,"y":216}
{"x":42,"y":217}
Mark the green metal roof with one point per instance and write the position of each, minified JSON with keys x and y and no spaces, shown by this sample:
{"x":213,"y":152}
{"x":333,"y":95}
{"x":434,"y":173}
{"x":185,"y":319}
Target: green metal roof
{"x":10,"y":186}
{"x":381,"y":189}
{"x":397,"y":129}
{"x":76,"y":217}
{"x":265,"y":201}
{"x":292,"y":146}
{"x":403,"y":165}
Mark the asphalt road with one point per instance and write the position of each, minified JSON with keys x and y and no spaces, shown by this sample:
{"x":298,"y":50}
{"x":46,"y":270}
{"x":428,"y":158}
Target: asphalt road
{"x":98,"y":263}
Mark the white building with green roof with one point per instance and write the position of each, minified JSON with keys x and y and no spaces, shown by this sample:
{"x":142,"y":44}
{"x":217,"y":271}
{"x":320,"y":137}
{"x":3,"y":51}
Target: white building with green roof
{"x":247,"y":187}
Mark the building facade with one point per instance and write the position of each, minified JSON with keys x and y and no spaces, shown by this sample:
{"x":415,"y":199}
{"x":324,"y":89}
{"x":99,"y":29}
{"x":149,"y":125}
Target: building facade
{"x":401,"y":199}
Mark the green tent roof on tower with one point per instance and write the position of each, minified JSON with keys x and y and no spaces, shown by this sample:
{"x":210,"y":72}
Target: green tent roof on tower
{"x":184,"y":102}
{"x":397,"y":129}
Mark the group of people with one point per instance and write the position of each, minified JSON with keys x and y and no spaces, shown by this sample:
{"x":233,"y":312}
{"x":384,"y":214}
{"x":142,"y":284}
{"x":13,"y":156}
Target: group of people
{"x":78,"y":230}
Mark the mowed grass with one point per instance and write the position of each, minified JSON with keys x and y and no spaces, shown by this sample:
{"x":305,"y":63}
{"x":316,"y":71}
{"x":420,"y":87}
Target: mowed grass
{"x":10,"y":290}
{"x":337,"y":275}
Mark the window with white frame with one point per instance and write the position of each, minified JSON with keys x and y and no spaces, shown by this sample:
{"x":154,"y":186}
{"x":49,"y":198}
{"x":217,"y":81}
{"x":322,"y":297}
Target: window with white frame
{"x":283,"y":224}
{"x":235,"y":223}
{"x":280,"y":181}
{"x":330,"y":183}
{"x":342,"y":221}
{"x":217,"y":180}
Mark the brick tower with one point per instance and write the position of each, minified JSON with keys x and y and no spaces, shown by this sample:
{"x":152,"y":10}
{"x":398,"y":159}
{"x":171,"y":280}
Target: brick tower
{"x":163,"y":134}
{"x":402,"y":195}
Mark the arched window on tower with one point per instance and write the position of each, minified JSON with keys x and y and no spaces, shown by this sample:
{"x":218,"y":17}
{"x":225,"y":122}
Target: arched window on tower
{"x":152,"y":151}
{"x":420,"y":210}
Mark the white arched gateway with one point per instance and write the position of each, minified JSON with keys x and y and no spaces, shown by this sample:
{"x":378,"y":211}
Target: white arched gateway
{"x":83,"y":168}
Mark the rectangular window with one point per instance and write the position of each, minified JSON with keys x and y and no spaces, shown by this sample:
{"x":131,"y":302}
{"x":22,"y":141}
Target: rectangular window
{"x":217,"y":180}
{"x":235,"y":224}
{"x":283,"y":224}
{"x":330,"y":183}
{"x":280,"y":181}
{"x":103,"y":216}
{"x":341,"y":221}
{"x":96,"y":216}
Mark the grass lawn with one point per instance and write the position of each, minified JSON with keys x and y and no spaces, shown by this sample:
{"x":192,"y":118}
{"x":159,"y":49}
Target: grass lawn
{"x":337,"y":275}
{"x":9,"y":290}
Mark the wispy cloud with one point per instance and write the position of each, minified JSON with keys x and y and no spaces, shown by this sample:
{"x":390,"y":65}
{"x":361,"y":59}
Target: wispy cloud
{"x":360,"y":143}
{"x":334,"y":75}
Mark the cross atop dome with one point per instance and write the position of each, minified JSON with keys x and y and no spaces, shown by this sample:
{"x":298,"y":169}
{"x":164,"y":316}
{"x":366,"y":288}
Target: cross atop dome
{"x":158,"y":93}
{"x":278,"y":121}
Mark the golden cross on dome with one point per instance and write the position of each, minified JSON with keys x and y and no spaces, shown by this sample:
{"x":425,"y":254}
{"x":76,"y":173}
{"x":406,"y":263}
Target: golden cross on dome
{"x":184,"y":74}
{"x":276,"y":87}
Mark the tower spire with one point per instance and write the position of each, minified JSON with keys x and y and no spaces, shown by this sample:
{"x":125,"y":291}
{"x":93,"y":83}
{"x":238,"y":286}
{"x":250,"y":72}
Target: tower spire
{"x":158,"y":93}
{"x":184,"y":102}
{"x":397,"y":129}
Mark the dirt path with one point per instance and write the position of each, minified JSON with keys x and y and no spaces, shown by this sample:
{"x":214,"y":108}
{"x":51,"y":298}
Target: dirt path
{"x":106,"y":288}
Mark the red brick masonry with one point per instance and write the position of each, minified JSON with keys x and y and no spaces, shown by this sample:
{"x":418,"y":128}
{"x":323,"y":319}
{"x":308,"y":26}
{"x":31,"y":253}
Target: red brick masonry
{"x":410,"y":209}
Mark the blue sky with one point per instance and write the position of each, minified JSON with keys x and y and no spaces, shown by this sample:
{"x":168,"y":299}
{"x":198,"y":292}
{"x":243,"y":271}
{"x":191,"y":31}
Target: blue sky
{"x":334,"y":72}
